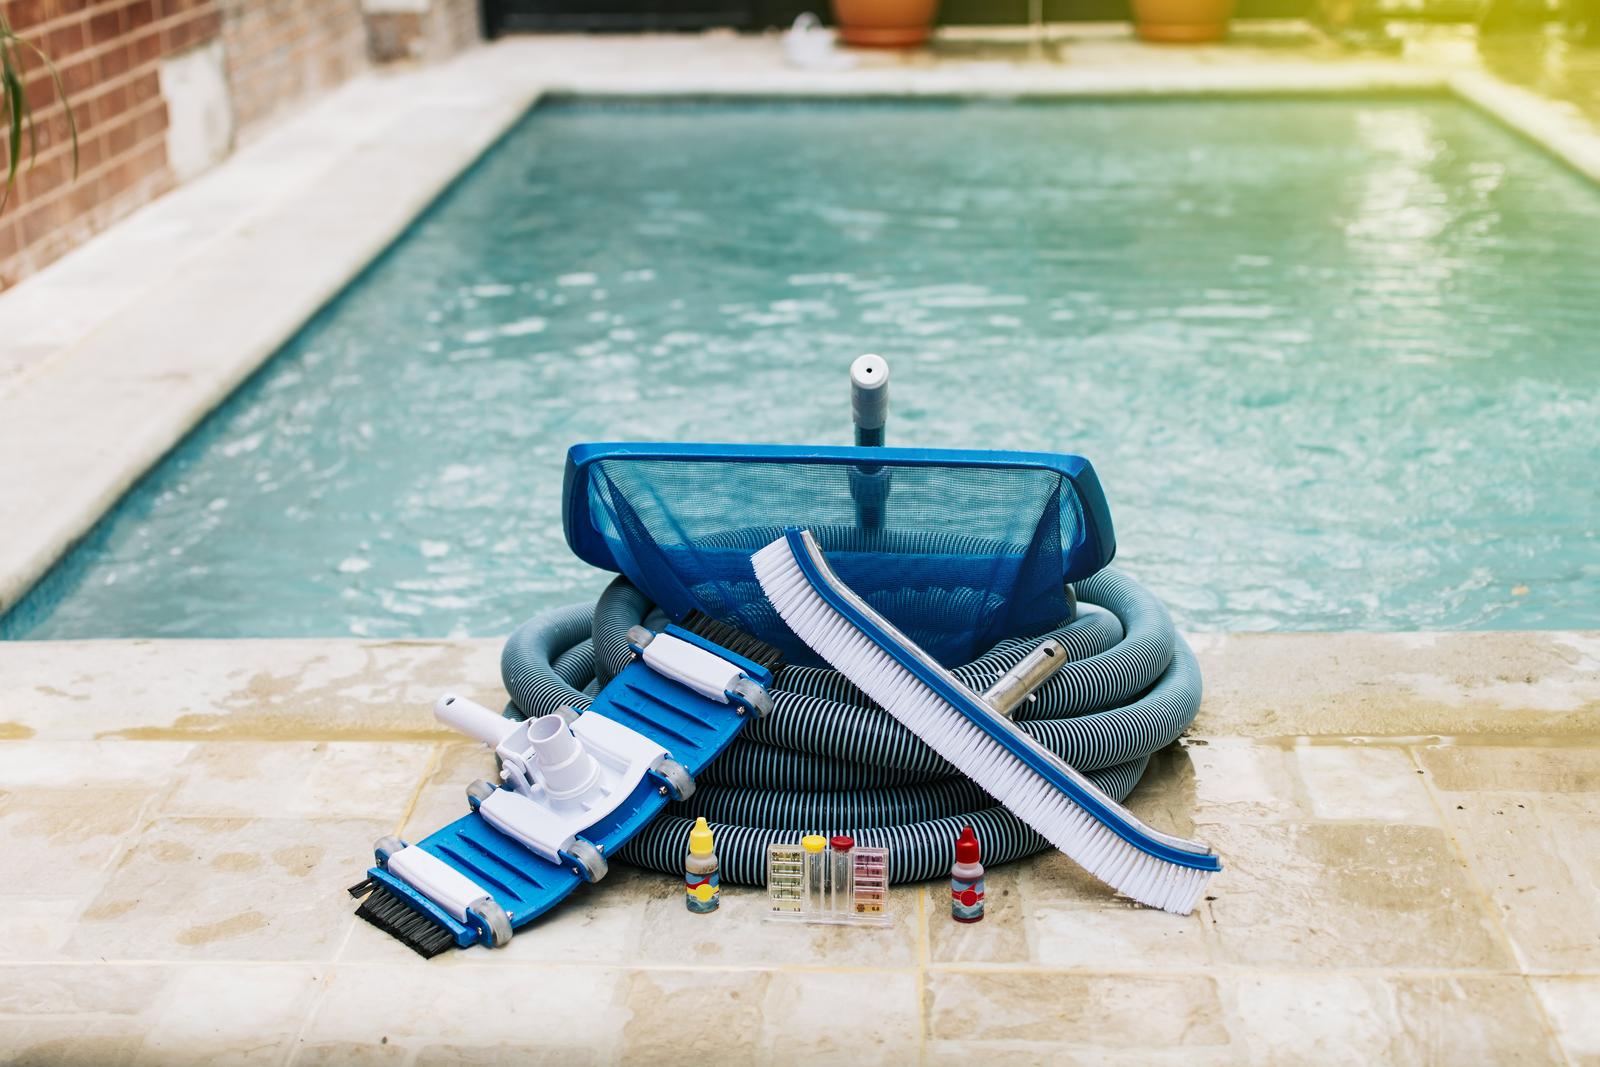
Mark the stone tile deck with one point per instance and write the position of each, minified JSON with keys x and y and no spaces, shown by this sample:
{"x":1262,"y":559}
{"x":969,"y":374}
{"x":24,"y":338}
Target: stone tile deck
{"x":1411,"y":826}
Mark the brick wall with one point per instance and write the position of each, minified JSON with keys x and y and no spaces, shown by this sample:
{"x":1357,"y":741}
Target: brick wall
{"x":281,"y":51}
{"x":274,"y":54}
{"x":108,"y":52}
{"x":419,"y":29}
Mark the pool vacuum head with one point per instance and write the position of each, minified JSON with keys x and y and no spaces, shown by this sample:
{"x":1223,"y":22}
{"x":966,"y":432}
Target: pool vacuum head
{"x":574,"y":787}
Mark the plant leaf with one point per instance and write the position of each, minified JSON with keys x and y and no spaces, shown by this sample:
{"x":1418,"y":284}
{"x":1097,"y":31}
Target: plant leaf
{"x":61,"y":91}
{"x":13,"y":89}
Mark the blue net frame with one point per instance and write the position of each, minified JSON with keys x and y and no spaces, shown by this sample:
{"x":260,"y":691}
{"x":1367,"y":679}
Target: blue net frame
{"x":959,"y":549}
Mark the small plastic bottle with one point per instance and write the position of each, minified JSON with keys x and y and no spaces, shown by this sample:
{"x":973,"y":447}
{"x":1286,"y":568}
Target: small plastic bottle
{"x":702,"y":885}
{"x":966,"y":879}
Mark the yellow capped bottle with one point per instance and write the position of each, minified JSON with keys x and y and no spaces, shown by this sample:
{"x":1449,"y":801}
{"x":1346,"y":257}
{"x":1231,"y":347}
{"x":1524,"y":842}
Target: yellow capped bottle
{"x":702,"y":885}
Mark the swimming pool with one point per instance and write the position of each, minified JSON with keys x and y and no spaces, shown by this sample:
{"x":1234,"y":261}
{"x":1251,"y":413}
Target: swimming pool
{"x":1334,"y":360}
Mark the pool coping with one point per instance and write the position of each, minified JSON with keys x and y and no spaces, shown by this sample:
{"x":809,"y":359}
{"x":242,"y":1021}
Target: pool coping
{"x":90,"y":401}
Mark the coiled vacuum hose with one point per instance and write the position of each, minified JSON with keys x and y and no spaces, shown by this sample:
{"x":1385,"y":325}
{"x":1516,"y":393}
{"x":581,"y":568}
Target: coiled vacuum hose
{"x":828,"y":760}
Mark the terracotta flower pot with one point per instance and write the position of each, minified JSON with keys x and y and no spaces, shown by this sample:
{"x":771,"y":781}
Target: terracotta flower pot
{"x":1182,"y":21}
{"x":884,"y":23}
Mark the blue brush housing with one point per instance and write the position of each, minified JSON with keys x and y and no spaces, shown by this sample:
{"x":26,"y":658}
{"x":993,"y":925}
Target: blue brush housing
{"x":1039,"y":760}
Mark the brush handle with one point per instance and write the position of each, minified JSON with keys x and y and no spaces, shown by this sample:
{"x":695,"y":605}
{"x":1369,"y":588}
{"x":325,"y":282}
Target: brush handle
{"x":1012,"y":688}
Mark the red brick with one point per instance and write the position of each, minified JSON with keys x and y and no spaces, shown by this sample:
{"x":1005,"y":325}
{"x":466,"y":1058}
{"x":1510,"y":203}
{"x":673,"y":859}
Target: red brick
{"x":151,"y":122}
{"x":176,"y":36}
{"x":141,"y":13}
{"x":35,"y":224}
{"x":209,"y":24}
{"x":51,"y":129}
{"x":114,"y":62}
{"x":10,"y":239}
{"x":119,"y":138}
{"x":144,"y":86}
{"x":47,"y":173}
{"x":78,"y":76}
{"x":91,"y":153}
{"x":67,"y":39}
{"x":25,"y":14}
{"x":109,"y":104}
{"x":146,"y":48}
{"x":41,"y":91}
{"x":81,"y":197}
{"x":104,"y":26}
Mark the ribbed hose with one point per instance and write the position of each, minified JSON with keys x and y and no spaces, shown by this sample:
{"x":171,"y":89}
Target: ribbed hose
{"x":828,"y":760}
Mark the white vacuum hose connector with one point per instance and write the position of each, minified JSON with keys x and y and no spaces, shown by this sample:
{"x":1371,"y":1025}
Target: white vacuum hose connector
{"x":565,"y":767}
{"x":473,"y":719}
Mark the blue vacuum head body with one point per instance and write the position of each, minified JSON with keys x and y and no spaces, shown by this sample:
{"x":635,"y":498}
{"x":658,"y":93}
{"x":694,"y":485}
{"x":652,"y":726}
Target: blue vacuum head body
{"x":959,"y":549}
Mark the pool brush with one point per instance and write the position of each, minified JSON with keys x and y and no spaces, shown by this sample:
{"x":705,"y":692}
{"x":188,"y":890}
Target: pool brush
{"x":977,"y":737}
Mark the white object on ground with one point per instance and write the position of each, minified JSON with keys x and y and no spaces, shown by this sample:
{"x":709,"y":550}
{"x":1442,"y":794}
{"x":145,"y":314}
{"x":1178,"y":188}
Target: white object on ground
{"x":809,"y":45}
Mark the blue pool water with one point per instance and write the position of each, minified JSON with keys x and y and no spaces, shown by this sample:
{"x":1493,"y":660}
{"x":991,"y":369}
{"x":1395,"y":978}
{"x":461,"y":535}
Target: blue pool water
{"x":1335,"y":361}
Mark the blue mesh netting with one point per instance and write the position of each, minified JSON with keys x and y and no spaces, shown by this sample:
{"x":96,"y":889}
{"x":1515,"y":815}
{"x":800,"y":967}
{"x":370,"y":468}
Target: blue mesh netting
{"x":958,"y":557}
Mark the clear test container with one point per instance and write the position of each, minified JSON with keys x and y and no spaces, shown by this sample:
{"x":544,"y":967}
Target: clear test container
{"x":841,"y":875}
{"x":828,"y":881}
{"x":814,"y":892}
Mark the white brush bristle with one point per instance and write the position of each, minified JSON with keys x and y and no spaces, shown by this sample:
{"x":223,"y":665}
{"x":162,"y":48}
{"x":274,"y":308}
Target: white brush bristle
{"x":1030,"y":797}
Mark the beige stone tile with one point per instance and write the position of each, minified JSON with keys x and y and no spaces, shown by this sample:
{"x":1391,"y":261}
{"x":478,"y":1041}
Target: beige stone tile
{"x":111,"y":990}
{"x":1012,"y":1054}
{"x":1541,"y":866}
{"x":443,"y":1013}
{"x":1365,"y":1019}
{"x":144,"y":765}
{"x":244,"y":889}
{"x":1267,"y":1018}
{"x":34,"y":928}
{"x":528,"y":1051}
{"x":1573,"y":1007}
{"x":308,"y":779}
{"x":226,"y":1013}
{"x":869,"y":1017}
{"x":1239,"y":780}
{"x":780,"y":1017}
{"x":1529,"y":684}
{"x":70,"y":1042}
{"x":1364,"y":783}
{"x":57,"y":842}
{"x":1075,"y":921}
{"x":1002,"y":936}
{"x":682,"y":1016}
{"x":71,"y":1014}
{"x":1079,"y":1013}
{"x":1346,"y":895}
{"x":1546,"y":769}
{"x":244,"y":690}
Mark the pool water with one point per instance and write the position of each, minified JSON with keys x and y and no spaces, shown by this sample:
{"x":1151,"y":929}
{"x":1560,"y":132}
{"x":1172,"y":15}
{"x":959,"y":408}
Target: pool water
{"x":1336,"y":361}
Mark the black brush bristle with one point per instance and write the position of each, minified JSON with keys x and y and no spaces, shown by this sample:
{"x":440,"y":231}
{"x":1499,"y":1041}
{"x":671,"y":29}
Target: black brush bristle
{"x":418,"y":932}
{"x":733,"y":639}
